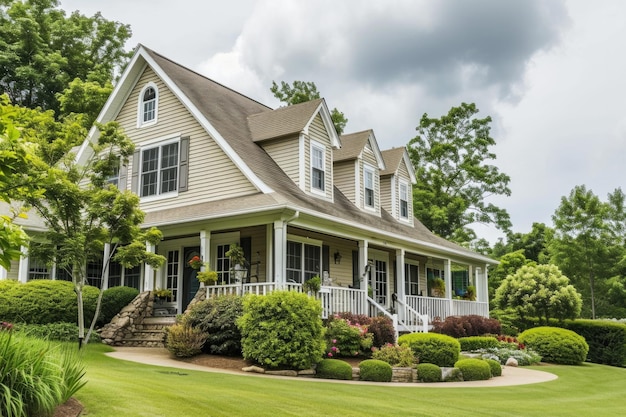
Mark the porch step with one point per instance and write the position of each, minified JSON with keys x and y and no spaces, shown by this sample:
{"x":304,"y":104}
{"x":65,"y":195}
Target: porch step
{"x":150,"y":333}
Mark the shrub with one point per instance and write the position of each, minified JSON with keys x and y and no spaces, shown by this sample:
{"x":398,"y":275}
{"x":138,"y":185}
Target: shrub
{"x":184,"y":341}
{"x":524,"y":357}
{"x":375,"y":370}
{"x":45,"y":301}
{"x":282,"y":329}
{"x":217,"y":316}
{"x":496,"y":368}
{"x":434,"y":348}
{"x":354,"y":318}
{"x":62,"y":332}
{"x":473,"y":343}
{"x":113,"y":301}
{"x":606,"y":340}
{"x":463,"y":326}
{"x":474,"y":369}
{"x":346,"y":338}
{"x":428,"y":372}
{"x":34,"y":377}
{"x":334,"y":369}
{"x":556,"y":345}
{"x":382,"y":330}
{"x":395,"y":355}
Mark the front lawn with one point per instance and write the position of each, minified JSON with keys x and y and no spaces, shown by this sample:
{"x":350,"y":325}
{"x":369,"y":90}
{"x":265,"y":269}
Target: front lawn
{"x":122,"y":388}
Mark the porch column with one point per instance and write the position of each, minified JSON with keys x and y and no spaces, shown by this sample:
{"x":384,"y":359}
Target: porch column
{"x":22,"y":271}
{"x":482,"y":288}
{"x":269,"y":245}
{"x":363,"y":265}
{"x":485,"y":287}
{"x":3,"y":273}
{"x":205,"y":250}
{"x":448,"y":280}
{"x":105,"y":267}
{"x":401,"y":281}
{"x":148,"y":277}
{"x":280,"y":248}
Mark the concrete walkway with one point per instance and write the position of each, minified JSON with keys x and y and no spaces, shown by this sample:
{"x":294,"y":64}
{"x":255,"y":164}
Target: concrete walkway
{"x":162,"y":357}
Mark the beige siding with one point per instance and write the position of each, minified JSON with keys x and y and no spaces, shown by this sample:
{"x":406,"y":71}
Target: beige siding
{"x":212,"y":175}
{"x":385,"y":194}
{"x":285,"y":152}
{"x":344,"y":178}
{"x":318,"y":133}
{"x":258,"y":244}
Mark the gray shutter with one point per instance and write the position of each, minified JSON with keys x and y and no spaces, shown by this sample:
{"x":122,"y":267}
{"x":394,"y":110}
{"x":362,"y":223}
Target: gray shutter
{"x":134,"y":183}
{"x":183,"y":171}
{"x":123,"y":175}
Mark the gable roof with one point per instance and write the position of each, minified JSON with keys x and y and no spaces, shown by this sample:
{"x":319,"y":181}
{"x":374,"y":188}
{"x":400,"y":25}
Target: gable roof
{"x":291,"y":120}
{"x":393,"y":157}
{"x":352,"y":146}
{"x":234,"y":121}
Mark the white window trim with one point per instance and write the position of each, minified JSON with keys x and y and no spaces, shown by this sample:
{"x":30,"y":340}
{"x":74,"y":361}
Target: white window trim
{"x":310,"y":242}
{"x":158,"y":195}
{"x":140,"y":122}
{"x":408,"y":203}
{"x":320,"y":147}
{"x":416,"y":264}
{"x":369,"y":169}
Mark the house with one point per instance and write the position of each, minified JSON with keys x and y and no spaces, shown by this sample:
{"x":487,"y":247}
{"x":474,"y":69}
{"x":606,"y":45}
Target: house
{"x":213,"y":167}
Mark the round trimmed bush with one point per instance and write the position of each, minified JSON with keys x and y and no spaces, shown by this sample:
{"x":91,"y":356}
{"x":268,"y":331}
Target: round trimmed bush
{"x":282,"y":330}
{"x":428,"y":372}
{"x":434,"y":348}
{"x":114,"y":300}
{"x":473,"y":343}
{"x":474,"y":369}
{"x":496,"y":368}
{"x":556,"y":345}
{"x":334,"y":369}
{"x":375,"y":370}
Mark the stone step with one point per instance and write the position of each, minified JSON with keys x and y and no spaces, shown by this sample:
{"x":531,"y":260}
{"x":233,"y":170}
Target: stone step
{"x":165,"y":320}
{"x":147,"y":335}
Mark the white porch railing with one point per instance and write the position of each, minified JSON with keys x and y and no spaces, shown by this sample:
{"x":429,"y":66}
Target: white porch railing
{"x":339,"y":300}
{"x":442,"y":307}
{"x":410,"y":319}
{"x":465,"y":308}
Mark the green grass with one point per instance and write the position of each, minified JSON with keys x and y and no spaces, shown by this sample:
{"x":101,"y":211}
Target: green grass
{"x":120,"y":388}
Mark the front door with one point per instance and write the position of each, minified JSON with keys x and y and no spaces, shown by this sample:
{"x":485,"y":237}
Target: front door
{"x":379,"y":277}
{"x":190,"y":282}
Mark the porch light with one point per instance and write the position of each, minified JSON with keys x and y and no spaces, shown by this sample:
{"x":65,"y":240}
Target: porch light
{"x":337,"y":257}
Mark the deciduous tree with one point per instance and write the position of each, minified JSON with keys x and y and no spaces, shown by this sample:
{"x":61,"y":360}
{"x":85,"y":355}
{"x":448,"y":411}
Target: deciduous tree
{"x":303,"y":91}
{"x":454,"y":181}
{"x":540,"y":291}
{"x":42,"y":50}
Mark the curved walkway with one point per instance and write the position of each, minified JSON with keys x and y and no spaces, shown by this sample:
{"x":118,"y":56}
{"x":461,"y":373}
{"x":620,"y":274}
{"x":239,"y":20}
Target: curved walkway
{"x":162,"y":357}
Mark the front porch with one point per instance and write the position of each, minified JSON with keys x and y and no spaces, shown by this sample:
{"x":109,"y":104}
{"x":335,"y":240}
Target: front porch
{"x":414,"y":313}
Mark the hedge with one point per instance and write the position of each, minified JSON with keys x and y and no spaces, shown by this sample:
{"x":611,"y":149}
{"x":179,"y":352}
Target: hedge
{"x":473,"y":343}
{"x":375,"y":370}
{"x":434,"y":348}
{"x":606,"y":340}
{"x":474,"y":369}
{"x":556,"y":345}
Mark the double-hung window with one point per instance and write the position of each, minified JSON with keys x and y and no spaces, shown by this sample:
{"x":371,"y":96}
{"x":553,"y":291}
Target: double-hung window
{"x":368,"y":187}
{"x":404,"y":200}
{"x":304,"y":260}
{"x":159,"y":169}
{"x":317,"y":167}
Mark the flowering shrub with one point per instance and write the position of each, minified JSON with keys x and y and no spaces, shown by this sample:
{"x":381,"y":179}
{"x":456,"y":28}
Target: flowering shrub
{"x":395,"y":355}
{"x":510,"y":342}
{"x":345,"y":338}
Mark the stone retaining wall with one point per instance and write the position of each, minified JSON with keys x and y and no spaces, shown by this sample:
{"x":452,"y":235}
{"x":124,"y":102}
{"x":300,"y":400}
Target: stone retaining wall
{"x":121,"y":329}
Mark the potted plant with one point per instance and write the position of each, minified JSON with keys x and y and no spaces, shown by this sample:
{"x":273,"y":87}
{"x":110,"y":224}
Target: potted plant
{"x":312,"y":285}
{"x":237,"y":262}
{"x":208,"y":277}
{"x":196,"y":262}
{"x":163,"y":294}
{"x":470,"y":293}
{"x":437,"y":287}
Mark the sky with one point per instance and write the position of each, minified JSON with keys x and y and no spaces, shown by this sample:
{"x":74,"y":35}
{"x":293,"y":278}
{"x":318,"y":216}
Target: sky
{"x":550,"y":74}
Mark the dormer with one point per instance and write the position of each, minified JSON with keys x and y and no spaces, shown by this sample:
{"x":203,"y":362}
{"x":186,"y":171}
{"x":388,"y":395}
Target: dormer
{"x":357,"y":167}
{"x":301,"y":139}
{"x":396,"y":184}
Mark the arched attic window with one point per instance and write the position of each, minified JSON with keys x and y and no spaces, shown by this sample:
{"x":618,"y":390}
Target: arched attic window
{"x":148,"y":100}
